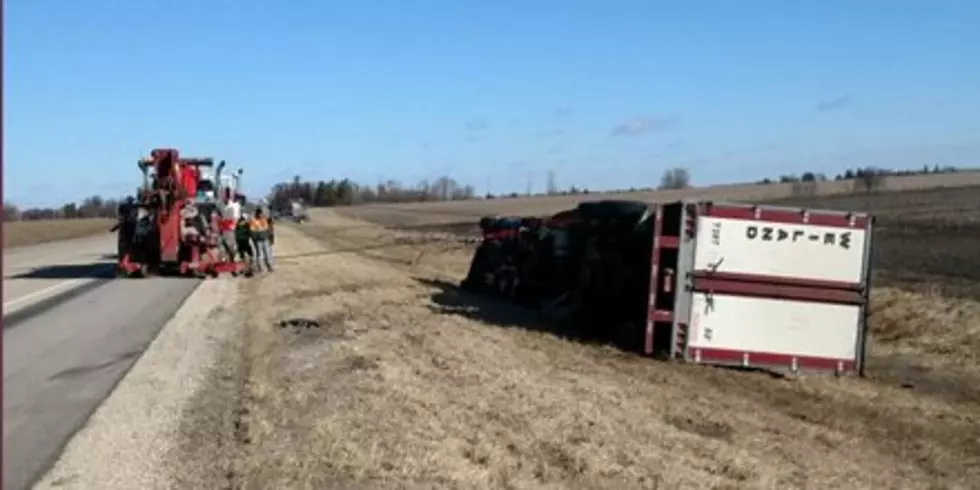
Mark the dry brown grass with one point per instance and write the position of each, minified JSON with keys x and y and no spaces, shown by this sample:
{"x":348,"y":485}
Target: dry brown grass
{"x":928,"y":322}
{"x":20,"y":233}
{"x":410,"y":384}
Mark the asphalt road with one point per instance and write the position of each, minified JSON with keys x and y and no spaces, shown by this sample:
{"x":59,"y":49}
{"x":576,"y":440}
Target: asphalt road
{"x":70,"y":333}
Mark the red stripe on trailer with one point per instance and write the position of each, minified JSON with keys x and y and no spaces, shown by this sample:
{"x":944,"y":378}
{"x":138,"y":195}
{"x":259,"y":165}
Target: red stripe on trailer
{"x":669,"y":242}
{"x":658,"y":225}
{"x":769,"y":359}
{"x":779,"y":280}
{"x":786,"y":216}
{"x":777,"y":291}
{"x":661,"y":315}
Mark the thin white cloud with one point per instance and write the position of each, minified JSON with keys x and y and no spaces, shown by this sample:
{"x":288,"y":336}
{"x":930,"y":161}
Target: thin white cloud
{"x":639,"y":125}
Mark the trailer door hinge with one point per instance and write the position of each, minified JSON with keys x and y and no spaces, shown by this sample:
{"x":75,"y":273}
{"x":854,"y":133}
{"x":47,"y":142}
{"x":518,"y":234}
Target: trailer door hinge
{"x":709,"y":301}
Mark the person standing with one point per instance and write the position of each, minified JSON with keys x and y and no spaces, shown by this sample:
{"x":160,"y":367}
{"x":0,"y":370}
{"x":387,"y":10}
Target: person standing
{"x":231,"y":211}
{"x":272,"y":234}
{"x":243,"y":240}
{"x":271,"y":220}
{"x":259,"y":227}
{"x":125,"y":225}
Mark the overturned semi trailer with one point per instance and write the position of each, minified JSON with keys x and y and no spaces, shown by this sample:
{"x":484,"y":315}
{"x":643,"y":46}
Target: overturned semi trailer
{"x":703,"y":282}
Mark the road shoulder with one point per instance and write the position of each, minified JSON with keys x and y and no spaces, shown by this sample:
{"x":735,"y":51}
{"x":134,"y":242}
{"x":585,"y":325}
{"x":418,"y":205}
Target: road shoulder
{"x":127,"y":441}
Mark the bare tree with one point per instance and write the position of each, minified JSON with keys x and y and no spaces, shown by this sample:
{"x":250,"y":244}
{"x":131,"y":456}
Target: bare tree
{"x":445,"y":188}
{"x":675,"y":178}
{"x":869,"y":180}
{"x":10,"y":212}
{"x":552,"y":185}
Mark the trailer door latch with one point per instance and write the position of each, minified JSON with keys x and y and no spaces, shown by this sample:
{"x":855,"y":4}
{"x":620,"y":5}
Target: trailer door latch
{"x":713,"y":266}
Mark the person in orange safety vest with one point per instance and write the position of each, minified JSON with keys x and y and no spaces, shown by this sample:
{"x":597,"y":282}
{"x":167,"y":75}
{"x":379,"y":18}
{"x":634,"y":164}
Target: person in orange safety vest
{"x":261,"y":234}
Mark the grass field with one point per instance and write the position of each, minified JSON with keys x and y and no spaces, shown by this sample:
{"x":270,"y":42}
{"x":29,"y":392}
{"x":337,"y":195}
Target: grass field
{"x":409,"y":383}
{"x":20,"y":233}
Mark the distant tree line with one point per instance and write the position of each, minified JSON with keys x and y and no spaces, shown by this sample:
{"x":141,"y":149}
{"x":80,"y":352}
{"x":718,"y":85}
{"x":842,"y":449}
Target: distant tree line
{"x":859,"y":174}
{"x":672,"y":178}
{"x":868,"y":179}
{"x":90,"y":207}
{"x":345,"y":192}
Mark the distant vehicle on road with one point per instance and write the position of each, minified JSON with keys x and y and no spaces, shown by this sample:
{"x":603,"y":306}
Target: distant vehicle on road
{"x":298,"y":211}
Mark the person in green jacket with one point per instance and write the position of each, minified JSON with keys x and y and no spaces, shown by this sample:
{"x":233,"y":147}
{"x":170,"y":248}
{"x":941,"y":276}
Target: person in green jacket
{"x":243,"y":238}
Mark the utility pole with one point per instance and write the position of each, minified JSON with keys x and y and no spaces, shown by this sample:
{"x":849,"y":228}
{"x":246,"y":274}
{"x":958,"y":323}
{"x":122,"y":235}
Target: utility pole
{"x":528,"y":190}
{"x":552,"y":186}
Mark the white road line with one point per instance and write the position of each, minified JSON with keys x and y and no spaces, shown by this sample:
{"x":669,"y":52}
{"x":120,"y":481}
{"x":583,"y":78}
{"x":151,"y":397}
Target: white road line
{"x":51,"y":289}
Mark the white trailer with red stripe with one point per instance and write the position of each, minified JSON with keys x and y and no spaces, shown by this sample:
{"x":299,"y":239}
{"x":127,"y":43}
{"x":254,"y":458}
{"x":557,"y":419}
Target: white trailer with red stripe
{"x":760,"y":286}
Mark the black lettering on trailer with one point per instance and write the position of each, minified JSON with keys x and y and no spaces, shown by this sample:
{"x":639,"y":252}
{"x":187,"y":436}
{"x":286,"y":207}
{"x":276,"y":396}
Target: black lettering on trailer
{"x":716,"y":233}
{"x":780,"y":233}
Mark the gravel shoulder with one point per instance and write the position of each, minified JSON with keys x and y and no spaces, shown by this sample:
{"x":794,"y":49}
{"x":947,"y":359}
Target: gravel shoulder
{"x":129,"y":440}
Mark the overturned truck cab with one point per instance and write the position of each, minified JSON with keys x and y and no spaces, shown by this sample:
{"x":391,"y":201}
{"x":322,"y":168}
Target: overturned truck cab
{"x":702,"y":282}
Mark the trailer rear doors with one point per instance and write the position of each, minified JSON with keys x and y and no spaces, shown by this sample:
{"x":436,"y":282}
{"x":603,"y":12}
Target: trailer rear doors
{"x":760,"y":286}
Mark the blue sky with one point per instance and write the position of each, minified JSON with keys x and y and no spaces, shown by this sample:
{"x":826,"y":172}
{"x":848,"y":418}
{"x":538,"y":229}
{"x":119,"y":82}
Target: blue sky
{"x":604,"y":93}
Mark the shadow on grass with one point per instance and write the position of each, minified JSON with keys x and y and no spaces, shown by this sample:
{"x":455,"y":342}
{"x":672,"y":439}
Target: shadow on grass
{"x":451,"y":299}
